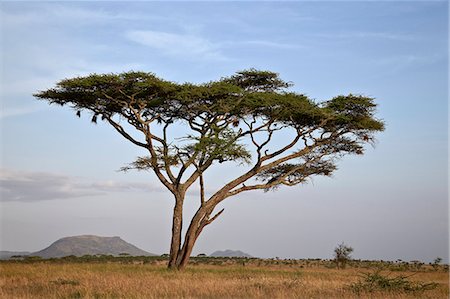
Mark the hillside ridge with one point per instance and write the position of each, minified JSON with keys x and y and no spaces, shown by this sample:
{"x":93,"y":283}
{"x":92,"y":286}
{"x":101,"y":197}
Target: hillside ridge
{"x":90,"y":245}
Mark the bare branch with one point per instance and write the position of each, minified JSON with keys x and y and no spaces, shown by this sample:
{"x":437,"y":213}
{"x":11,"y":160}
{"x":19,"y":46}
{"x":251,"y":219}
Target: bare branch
{"x":154,"y":162}
{"x":282,"y":150}
{"x":202,"y":190}
{"x":254,"y":130}
{"x":122,"y":132}
{"x":166,"y":155}
{"x":214,"y":217}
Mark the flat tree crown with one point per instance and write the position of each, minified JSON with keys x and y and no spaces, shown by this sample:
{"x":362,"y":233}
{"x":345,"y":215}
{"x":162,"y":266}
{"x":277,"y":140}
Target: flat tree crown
{"x":248,"y":93}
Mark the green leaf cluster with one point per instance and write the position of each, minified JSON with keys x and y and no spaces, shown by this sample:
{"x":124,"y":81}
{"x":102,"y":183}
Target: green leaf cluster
{"x":353,"y":112}
{"x":109,"y":93}
{"x":221,"y":146}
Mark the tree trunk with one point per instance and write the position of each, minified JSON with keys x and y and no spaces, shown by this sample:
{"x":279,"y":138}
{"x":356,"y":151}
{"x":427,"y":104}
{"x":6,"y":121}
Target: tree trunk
{"x":177,"y":225}
{"x":199,"y":221}
{"x":179,"y":255}
{"x":191,"y":236}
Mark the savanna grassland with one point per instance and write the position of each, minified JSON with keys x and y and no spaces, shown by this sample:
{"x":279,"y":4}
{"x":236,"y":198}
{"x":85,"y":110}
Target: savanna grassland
{"x":147,"y":277}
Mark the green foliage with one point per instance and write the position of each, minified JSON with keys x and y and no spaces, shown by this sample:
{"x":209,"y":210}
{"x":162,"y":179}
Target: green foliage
{"x":256,"y":80}
{"x":376,"y":281}
{"x":221,"y":145}
{"x":108,"y":93}
{"x":354,"y":112}
{"x":251,"y":92}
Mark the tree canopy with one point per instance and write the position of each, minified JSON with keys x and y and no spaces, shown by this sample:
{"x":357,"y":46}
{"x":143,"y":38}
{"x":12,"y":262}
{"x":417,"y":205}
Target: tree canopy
{"x":233,"y":119}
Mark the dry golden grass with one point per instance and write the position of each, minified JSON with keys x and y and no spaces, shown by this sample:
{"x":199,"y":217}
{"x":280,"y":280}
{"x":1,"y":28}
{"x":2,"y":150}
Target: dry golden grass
{"x":116,"y":280}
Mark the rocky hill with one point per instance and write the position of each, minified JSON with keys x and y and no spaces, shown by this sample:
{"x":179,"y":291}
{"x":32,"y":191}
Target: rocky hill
{"x":89,"y":245}
{"x":229,"y":253}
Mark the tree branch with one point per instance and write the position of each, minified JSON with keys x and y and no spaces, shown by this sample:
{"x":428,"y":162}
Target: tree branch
{"x":166,"y":155}
{"x":282,"y":150}
{"x":154,"y":161}
{"x":214,"y":217}
{"x":122,"y":132}
{"x":202,"y":190}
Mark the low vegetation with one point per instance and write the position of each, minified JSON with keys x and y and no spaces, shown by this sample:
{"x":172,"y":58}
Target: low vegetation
{"x":148,"y":277}
{"x":376,"y":281}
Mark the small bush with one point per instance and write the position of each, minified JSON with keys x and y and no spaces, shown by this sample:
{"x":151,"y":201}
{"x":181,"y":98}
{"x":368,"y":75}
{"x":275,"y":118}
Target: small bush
{"x":371,"y":282}
{"x":342,"y":255}
{"x":436,"y":263}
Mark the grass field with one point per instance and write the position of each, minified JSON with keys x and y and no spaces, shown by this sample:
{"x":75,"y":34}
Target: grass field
{"x":217,"y":278}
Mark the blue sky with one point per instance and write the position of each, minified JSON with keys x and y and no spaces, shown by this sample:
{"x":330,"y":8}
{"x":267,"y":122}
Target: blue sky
{"x":59,"y":173}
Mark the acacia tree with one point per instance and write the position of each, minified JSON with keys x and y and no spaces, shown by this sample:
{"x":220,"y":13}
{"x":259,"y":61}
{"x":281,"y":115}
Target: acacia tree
{"x":235,"y":119}
{"x":342,"y":255}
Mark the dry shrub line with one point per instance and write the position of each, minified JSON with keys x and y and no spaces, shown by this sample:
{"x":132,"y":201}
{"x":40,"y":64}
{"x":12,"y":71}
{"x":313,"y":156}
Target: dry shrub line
{"x":372,"y":282}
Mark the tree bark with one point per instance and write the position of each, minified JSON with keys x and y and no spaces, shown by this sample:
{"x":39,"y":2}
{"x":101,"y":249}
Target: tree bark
{"x":177,"y":226}
{"x":191,"y":236}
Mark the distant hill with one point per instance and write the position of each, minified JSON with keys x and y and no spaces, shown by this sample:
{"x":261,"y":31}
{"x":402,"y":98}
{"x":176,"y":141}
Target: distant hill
{"x":4,"y":255}
{"x":229,"y":253}
{"x":89,"y":245}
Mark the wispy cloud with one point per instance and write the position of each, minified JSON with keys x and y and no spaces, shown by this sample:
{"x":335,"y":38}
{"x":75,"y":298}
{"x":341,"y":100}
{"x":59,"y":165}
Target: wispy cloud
{"x":396,"y":63}
{"x":367,"y":35}
{"x":185,"y":45}
{"x":57,"y":12}
{"x":265,"y":44}
{"x":16,"y":111}
{"x":26,"y":186}
{"x":114,"y":186}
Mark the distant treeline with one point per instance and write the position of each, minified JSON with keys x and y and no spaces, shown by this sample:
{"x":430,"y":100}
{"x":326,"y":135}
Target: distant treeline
{"x":398,"y":265}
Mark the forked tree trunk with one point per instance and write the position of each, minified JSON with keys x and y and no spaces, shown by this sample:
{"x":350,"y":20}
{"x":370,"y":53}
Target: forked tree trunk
{"x":180,"y":253}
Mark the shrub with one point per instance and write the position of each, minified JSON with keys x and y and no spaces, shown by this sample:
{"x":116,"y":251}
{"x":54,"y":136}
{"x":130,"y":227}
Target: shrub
{"x":371,"y":282}
{"x":436,"y":263}
{"x":342,"y":255}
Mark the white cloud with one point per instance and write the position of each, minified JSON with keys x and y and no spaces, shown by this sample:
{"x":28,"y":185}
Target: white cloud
{"x":185,"y":45}
{"x":24,"y":186}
